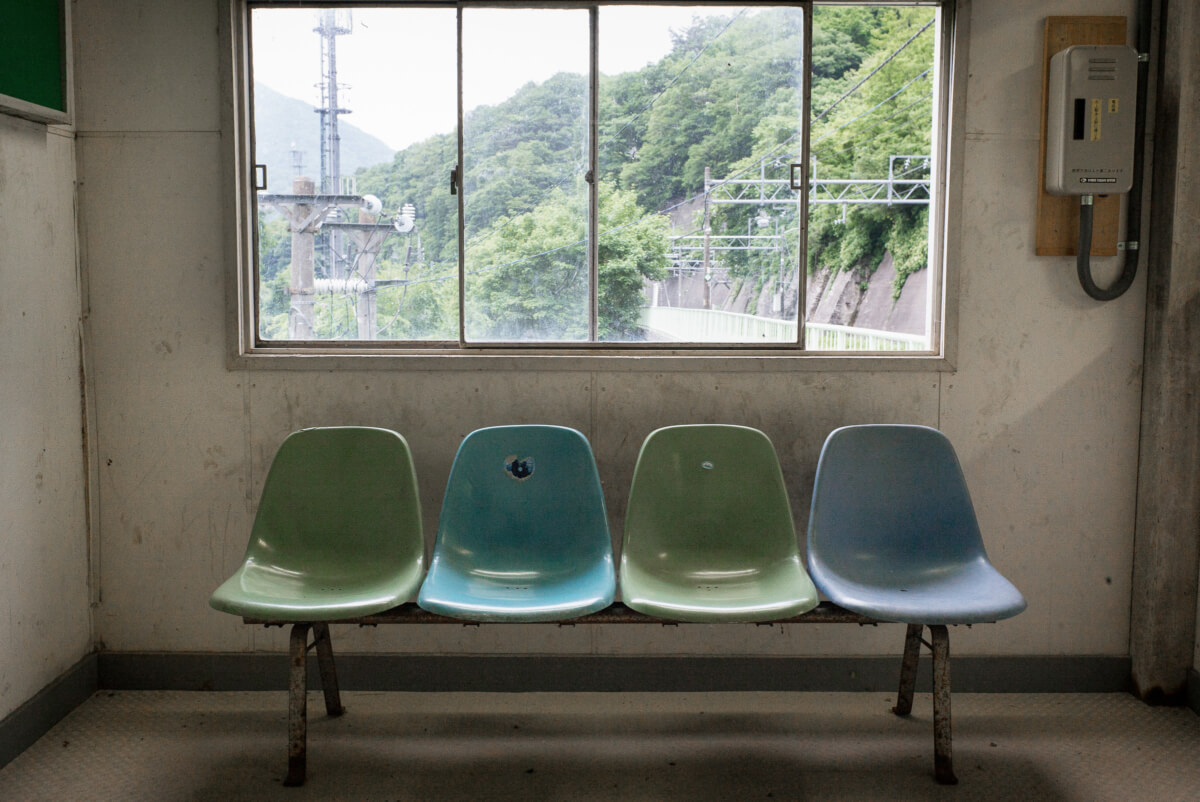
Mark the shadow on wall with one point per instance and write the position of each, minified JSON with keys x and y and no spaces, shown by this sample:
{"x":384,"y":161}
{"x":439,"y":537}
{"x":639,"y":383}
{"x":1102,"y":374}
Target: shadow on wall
{"x":1054,"y":481}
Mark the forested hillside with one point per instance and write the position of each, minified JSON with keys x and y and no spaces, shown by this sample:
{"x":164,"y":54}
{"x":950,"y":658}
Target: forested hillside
{"x":726,"y":98}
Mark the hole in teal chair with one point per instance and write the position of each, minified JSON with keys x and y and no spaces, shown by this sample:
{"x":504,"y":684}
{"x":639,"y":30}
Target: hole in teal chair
{"x":526,"y":543}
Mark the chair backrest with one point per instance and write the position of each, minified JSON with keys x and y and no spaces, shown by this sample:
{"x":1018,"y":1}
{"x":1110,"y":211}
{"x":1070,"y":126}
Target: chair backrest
{"x":889,"y":493}
{"x":708,"y":497}
{"x":339,"y":497}
{"x":523,"y":500}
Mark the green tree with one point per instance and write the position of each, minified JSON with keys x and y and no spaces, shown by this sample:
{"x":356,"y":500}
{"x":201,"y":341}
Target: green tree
{"x":529,"y":280}
{"x":274,"y":275}
{"x":632,"y":250}
{"x":879,"y":109}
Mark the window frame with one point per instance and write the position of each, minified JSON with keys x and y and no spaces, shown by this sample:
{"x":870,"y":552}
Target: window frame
{"x":248,"y":348}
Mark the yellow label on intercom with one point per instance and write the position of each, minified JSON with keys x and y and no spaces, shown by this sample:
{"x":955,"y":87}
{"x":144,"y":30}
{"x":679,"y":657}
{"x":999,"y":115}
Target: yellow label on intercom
{"x":1096,"y":109}
{"x":1113,"y":105}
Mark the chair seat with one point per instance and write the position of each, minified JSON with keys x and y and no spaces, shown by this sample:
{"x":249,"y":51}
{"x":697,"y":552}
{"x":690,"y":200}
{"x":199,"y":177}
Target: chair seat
{"x":523,"y":534}
{"x":476,"y":596}
{"x":709,"y":535}
{"x":892,"y":532}
{"x":266,"y":592}
{"x":782,"y":590}
{"x":967,"y":593}
{"x":337,"y":533}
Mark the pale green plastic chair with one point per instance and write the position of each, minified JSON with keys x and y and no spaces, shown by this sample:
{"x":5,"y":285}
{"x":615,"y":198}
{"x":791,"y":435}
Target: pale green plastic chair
{"x":708,"y":531}
{"x":338,"y":530}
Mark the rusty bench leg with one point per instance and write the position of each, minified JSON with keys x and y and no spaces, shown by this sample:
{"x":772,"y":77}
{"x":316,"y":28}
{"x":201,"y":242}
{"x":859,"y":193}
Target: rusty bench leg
{"x":297,"y":706}
{"x":943,"y":765}
{"x":908,"y":670}
{"x":329,"y":682}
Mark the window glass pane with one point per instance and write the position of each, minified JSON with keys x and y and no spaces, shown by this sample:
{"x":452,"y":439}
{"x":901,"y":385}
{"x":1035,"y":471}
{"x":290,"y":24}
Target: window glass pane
{"x":355,"y":119}
{"x":700,"y":116}
{"x":874,"y":76}
{"x":525,"y":160}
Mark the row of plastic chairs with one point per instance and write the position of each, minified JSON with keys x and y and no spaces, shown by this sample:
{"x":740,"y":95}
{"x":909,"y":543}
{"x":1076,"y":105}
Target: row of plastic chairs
{"x":708,"y":537}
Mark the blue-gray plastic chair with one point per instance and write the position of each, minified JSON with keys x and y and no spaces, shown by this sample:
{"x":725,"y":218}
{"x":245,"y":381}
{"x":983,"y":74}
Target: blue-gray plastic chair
{"x":892,"y":533}
{"x":523,"y":534}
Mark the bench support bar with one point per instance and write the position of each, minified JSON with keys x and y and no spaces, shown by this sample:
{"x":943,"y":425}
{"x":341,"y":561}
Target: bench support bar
{"x":908,"y":670}
{"x":943,"y":763}
{"x":297,"y":706}
{"x":298,"y":693}
{"x":939,"y":644}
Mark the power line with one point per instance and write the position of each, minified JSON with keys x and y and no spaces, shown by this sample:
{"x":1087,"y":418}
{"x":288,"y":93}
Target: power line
{"x":910,"y":82}
{"x":613,"y":137}
{"x":671,"y":83}
{"x":693,"y":197}
{"x":879,"y":67}
{"x":875,"y":131}
{"x":855,"y":88}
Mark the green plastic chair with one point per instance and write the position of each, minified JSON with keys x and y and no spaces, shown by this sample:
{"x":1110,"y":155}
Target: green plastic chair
{"x":338,"y":530}
{"x":708,"y":531}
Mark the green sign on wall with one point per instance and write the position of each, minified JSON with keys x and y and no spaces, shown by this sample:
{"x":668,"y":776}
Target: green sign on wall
{"x":33,"y":59}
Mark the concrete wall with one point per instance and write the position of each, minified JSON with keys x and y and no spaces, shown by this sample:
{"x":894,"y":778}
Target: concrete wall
{"x":45,"y":622}
{"x":1043,"y":404}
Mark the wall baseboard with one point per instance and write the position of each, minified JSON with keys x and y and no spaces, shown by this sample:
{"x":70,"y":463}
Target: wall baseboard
{"x":34,"y":718}
{"x":518,"y":674}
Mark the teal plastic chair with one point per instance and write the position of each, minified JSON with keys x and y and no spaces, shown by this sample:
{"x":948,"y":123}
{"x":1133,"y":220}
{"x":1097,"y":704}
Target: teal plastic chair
{"x":338,"y":530}
{"x":892,"y":532}
{"x":708,"y":532}
{"x":523,"y":534}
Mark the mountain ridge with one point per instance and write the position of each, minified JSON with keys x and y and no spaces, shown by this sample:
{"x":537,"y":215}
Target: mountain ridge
{"x":281,"y":122}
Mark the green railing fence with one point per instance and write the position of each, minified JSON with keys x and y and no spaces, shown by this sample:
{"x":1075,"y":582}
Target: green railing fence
{"x":714,"y":326}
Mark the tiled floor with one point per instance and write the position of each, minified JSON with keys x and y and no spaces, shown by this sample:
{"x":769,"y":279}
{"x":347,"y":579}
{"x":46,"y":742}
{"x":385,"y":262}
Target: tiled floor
{"x":721,"y":746}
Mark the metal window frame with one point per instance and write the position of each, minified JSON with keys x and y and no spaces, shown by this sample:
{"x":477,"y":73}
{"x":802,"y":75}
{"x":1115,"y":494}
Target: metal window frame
{"x":250,"y":343}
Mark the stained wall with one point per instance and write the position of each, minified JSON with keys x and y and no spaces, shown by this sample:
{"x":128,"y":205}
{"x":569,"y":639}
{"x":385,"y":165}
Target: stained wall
{"x":45,"y":621}
{"x":1042,"y":401}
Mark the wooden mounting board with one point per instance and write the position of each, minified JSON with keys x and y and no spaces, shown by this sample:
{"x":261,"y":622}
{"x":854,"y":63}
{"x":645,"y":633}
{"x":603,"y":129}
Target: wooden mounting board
{"x":1058,"y":215}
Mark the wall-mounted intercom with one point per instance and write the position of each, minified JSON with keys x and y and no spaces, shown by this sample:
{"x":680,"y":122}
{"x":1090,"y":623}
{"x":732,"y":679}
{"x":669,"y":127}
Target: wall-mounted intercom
{"x":1092,"y":98}
{"x":1095,"y":117}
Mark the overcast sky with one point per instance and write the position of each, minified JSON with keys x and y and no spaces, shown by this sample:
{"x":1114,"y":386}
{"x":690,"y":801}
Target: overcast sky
{"x":398,"y":66}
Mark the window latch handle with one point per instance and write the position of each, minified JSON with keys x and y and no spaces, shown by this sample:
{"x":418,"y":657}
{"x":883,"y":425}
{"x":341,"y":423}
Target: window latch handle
{"x":260,"y":169}
{"x":454,"y":181}
{"x":792,"y":182}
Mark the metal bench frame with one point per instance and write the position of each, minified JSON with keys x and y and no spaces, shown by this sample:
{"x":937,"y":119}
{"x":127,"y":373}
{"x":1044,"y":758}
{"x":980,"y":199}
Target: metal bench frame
{"x":825,"y":613}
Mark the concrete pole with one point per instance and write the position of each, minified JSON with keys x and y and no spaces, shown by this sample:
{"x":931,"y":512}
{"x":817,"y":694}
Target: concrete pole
{"x":1166,"y":558}
{"x":368,"y":244}
{"x":707,"y":233}
{"x":300,"y":312}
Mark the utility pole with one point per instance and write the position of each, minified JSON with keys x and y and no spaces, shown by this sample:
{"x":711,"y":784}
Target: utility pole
{"x":300,"y":310}
{"x":368,"y":240}
{"x":333,"y":23}
{"x":705,"y":273}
